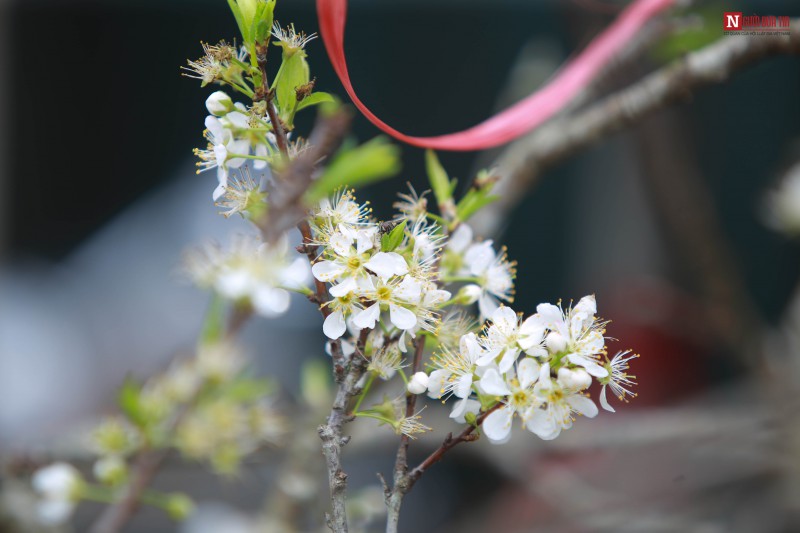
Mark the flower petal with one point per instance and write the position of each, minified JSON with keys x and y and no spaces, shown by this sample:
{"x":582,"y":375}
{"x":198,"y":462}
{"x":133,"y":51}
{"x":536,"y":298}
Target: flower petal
{"x":497,"y":426}
{"x":367,"y":317}
{"x":527,"y":372}
{"x":387,"y":264}
{"x":493,"y":383}
{"x":334,"y":326}
{"x":582,"y":405}
{"x":401,"y":317}
{"x":604,"y":402}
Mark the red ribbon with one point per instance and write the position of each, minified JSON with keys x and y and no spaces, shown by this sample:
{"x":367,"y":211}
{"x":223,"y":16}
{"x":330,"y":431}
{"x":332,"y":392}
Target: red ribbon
{"x":521,"y":117}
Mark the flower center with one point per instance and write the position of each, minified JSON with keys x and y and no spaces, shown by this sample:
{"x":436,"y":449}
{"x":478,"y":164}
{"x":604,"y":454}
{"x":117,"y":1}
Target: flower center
{"x":384,"y":293}
{"x":354,"y":262}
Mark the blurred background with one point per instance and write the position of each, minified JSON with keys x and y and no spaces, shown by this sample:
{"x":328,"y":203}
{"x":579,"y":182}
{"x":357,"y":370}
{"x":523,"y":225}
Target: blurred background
{"x":664,"y":222}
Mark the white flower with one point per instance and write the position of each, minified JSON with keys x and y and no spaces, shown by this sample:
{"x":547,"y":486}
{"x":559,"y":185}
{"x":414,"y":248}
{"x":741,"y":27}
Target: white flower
{"x":386,"y":362}
{"x":518,"y":398}
{"x":411,"y":205}
{"x":463,"y":407}
{"x":259,"y":272}
{"x":290,"y":37}
{"x":330,"y":213}
{"x":418,"y":383}
{"x":505,"y":338}
{"x":576,"y":330}
{"x":343,"y":306}
{"x":347,"y":249}
{"x":241,"y":194}
{"x":495,"y":276}
{"x":558,"y":402}
{"x":455,"y":369}
{"x":60,"y":487}
{"x":453,"y":326}
{"x":618,"y":380}
{"x":396,"y":295}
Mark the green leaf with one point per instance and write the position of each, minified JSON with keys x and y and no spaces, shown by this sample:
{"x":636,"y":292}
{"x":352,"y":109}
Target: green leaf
{"x":293,"y":73}
{"x":244,"y":29}
{"x":264,"y":17}
{"x":130,"y":402}
{"x":370,"y":162}
{"x":472,"y":202}
{"x":391,"y":240}
{"x":440,"y":183}
{"x":314,"y":99}
{"x":214,"y":321}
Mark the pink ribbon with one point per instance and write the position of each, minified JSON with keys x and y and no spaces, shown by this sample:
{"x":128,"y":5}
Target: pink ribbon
{"x":520,"y":118}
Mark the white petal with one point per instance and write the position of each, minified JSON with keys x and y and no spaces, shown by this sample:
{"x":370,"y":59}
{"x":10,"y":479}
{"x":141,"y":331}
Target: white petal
{"x":531,"y":333}
{"x":509,"y":357}
{"x":527,"y":372}
{"x":218,"y":192}
{"x":479,"y":256}
{"x":542,"y":424}
{"x":269,"y":301}
{"x":487,"y":305}
{"x":497,"y":426}
{"x":487,"y":357}
{"x":234,"y":284}
{"x":327,"y":270}
{"x":401,"y":317}
{"x":586,"y":305}
{"x":334,"y":326}
{"x":344,"y":288}
{"x":367,"y":317}
{"x":409,"y":290}
{"x":435,"y":297}
{"x":460,"y":239}
{"x":604,"y":402}
{"x":589,"y":364}
{"x":505,"y":319}
{"x":341,"y":244}
{"x":462,"y":407}
{"x":418,"y":383}
{"x":387,"y":264}
{"x":297,"y":274}
{"x":583,"y":405}
{"x":238,"y":120}
{"x":436,"y":383}
{"x":215,"y":128}
{"x":493,"y":383}
{"x":551,"y":317}
{"x":463,"y":386}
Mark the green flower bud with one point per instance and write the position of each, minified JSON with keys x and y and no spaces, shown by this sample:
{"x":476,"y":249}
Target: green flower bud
{"x":179,"y":506}
{"x":111,"y":470}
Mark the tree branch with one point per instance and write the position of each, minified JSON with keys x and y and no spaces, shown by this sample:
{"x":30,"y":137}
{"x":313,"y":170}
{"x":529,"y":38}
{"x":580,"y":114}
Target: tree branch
{"x":333,"y":441}
{"x":522,"y":163}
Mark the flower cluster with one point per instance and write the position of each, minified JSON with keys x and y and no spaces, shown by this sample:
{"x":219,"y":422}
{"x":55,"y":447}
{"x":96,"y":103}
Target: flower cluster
{"x":234,"y":134}
{"x":377,"y":275}
{"x":537,"y":370}
{"x":251,"y":271}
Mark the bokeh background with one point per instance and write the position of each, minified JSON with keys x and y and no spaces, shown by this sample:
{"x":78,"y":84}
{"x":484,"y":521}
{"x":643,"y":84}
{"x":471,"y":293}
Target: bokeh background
{"x":663,"y":222}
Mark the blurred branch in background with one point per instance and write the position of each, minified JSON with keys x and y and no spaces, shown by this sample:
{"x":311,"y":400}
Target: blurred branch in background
{"x":522,"y":163}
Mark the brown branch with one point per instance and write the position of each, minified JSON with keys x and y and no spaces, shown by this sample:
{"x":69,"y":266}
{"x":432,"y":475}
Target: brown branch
{"x":333,"y":441}
{"x":406,"y":481}
{"x":522,"y":163}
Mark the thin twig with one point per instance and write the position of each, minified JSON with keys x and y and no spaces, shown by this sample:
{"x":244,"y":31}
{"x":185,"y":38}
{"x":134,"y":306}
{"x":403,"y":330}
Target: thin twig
{"x":405,"y":482}
{"x":522,"y":163}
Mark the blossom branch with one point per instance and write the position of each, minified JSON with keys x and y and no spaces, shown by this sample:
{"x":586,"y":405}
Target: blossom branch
{"x":523,"y":162}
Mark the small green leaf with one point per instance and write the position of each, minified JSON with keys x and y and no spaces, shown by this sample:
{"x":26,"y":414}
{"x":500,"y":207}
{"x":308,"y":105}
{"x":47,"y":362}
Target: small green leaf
{"x":214,"y":321}
{"x":372,"y":161}
{"x":392,"y":240}
{"x":244,"y":29}
{"x":314,"y":99}
{"x":472,"y":202}
{"x":293,"y":73}
{"x":264,"y":17}
{"x":129,"y":399}
{"x":440,"y":183}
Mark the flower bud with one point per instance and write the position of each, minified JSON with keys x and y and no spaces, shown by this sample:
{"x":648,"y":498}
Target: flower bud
{"x":577,"y":379}
{"x":111,"y":470}
{"x":219,"y":103}
{"x":555,"y":342}
{"x":469,"y":294}
{"x":418,"y":383}
{"x":179,"y":506}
